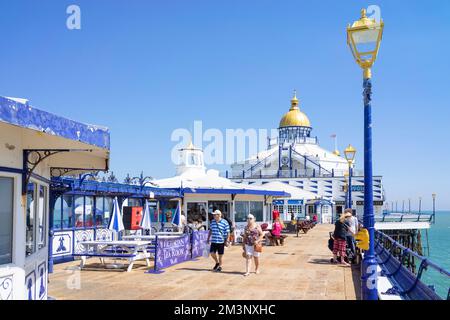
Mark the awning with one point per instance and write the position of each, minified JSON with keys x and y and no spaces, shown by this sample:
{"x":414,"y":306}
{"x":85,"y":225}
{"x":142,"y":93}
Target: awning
{"x":271,"y":193}
{"x":112,"y":189}
{"x":66,"y":146}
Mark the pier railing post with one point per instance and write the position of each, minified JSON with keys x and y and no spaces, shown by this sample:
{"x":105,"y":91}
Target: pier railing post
{"x":369,"y":263}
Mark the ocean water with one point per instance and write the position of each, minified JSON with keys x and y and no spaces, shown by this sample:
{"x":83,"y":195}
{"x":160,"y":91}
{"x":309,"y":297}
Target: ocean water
{"x":439,"y":243}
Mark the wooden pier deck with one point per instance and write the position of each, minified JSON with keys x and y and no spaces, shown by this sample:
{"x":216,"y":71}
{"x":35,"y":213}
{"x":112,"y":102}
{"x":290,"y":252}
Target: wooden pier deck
{"x":298,"y":270}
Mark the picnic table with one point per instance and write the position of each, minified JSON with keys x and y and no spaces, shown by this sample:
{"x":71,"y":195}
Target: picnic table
{"x":131,"y":250}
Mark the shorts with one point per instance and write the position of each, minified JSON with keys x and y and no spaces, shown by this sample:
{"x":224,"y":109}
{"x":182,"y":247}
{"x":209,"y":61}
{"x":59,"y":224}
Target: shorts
{"x":250,"y":251}
{"x":217,"y":247}
{"x":340,"y":246}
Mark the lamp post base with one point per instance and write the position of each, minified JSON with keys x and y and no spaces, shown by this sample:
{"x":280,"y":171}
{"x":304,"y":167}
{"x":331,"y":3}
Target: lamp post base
{"x":369,"y":278}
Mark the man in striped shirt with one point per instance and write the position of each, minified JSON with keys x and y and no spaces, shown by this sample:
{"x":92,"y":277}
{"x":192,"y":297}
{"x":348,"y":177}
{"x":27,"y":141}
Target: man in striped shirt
{"x":219,"y":230}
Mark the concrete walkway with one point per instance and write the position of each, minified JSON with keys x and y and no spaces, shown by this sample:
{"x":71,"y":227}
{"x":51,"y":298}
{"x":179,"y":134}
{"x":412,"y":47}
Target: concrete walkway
{"x":298,"y":270}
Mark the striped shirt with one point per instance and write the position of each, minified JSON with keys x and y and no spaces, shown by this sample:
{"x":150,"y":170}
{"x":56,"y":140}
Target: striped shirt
{"x":219,"y":231}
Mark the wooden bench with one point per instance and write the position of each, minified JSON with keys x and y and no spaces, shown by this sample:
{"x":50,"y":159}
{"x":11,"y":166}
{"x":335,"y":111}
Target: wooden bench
{"x":274,"y":239}
{"x":304,"y":226}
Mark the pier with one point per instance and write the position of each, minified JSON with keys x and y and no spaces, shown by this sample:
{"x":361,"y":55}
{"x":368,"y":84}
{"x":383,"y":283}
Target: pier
{"x":298,"y":270}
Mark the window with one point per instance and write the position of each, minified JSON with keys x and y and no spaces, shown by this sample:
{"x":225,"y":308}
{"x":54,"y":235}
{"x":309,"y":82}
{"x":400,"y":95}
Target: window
{"x":99,"y":210}
{"x":88,"y":211}
{"x":134,"y":202}
{"x":256,"y":209}
{"x":67,"y":212}
{"x":294,"y":210}
{"x":6,"y":219}
{"x":196,"y":211}
{"x":57,"y":214}
{"x":241,"y":208}
{"x":79,"y":211}
{"x":30,"y":219}
{"x":152,"y":207}
{"x":42,"y":217}
{"x":108,"y":207}
{"x":168,"y":210}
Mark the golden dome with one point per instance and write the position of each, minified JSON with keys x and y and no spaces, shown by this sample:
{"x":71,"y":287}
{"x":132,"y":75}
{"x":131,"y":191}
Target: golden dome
{"x":294,"y":117}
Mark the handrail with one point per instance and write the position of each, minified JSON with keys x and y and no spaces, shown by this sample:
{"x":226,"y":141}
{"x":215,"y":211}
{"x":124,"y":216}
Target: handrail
{"x":313,"y":162}
{"x":403,"y":217}
{"x":421,"y":258}
{"x":260,"y":162}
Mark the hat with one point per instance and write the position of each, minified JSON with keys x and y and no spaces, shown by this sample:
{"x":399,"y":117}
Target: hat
{"x":217,"y":212}
{"x":250,"y":216}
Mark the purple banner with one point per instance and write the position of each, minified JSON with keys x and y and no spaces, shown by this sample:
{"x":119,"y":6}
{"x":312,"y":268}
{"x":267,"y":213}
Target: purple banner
{"x":170,"y":251}
{"x":199,"y":242}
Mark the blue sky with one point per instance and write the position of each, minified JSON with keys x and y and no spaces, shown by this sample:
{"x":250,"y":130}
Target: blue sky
{"x":145,"y":68}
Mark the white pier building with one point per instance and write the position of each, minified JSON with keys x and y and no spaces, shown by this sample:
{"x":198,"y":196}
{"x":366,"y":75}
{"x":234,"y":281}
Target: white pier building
{"x":296,"y":159}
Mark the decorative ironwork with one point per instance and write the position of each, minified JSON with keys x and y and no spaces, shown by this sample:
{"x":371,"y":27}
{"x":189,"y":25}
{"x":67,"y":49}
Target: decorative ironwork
{"x":6,"y":288}
{"x":33,"y":157}
{"x":59,"y":172}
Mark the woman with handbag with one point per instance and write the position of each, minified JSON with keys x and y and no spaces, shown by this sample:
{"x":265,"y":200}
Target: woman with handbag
{"x":252,"y":243}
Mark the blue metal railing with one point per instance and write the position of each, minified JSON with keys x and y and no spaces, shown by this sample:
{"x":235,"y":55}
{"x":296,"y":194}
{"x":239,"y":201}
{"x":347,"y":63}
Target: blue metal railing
{"x":408,"y":284}
{"x":403,"y":217}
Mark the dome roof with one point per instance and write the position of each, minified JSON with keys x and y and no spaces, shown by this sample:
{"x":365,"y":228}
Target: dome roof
{"x":294,"y":117}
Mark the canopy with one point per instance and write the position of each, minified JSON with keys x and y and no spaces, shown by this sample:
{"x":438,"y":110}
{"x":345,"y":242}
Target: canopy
{"x":295,"y":192}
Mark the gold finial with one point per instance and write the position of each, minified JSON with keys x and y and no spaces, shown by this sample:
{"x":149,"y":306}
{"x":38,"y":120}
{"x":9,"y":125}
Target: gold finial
{"x":190,"y":145}
{"x":294,"y":101}
{"x":363,"y":13}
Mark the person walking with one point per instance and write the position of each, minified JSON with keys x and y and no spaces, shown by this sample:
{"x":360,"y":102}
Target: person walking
{"x":339,"y":236}
{"x":219,"y":230}
{"x":252,"y":243}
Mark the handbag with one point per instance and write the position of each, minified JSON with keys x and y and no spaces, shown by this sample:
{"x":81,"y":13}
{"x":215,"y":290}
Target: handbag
{"x":258,"y":247}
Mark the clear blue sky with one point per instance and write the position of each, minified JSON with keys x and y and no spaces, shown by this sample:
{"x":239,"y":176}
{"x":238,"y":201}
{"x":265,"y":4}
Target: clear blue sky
{"x":144,"y":68}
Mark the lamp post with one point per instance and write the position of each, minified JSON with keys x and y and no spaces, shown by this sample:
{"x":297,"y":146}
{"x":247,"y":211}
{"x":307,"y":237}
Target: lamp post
{"x":420,"y":204}
{"x":434,"y":207}
{"x":350,"y":153}
{"x":346,"y":175}
{"x":364,"y":38}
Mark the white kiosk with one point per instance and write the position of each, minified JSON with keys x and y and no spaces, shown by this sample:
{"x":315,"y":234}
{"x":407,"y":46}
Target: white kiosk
{"x":34,"y":144}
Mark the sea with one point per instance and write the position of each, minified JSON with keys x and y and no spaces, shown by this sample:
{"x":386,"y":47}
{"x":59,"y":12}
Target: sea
{"x":439,"y":253}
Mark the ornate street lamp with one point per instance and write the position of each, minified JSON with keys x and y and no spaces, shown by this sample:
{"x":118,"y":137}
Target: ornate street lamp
{"x":350,"y":153}
{"x":364,"y":37}
{"x":420,"y":205}
{"x":346,"y":175}
{"x":434,"y":207}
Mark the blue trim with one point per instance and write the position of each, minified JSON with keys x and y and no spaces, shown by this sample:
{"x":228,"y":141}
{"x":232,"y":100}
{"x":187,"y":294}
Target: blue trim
{"x":73,"y":186}
{"x":237,"y":191}
{"x":11,"y":170}
{"x":26,"y":116}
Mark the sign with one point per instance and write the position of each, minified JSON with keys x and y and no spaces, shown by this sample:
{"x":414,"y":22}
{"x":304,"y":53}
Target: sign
{"x":295,"y":202}
{"x":170,"y":251}
{"x":278,"y":202}
{"x":357,"y":188}
{"x":339,"y":203}
{"x":375,"y":203}
{"x":199,"y":242}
